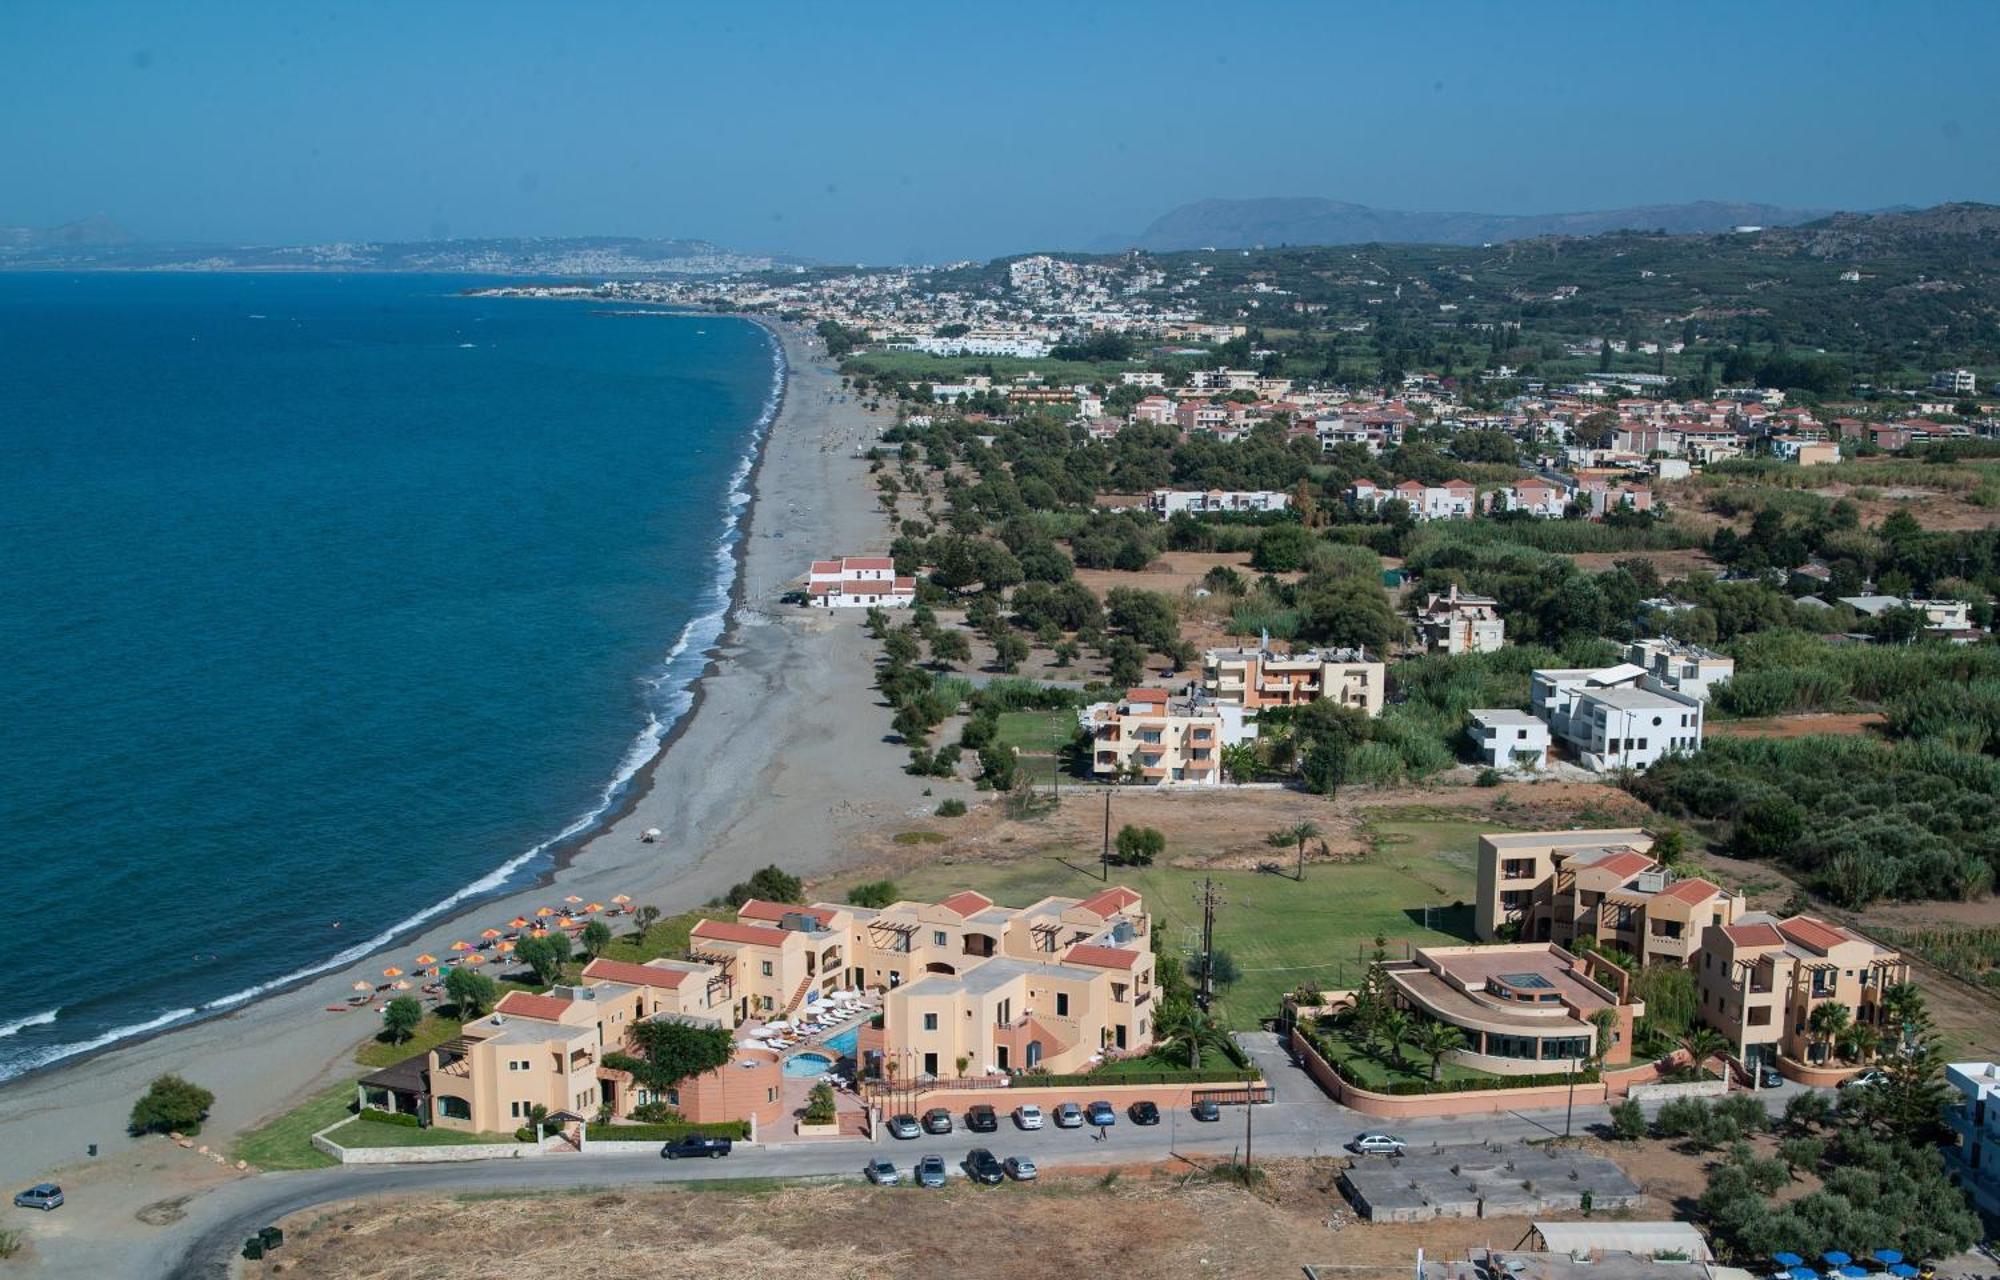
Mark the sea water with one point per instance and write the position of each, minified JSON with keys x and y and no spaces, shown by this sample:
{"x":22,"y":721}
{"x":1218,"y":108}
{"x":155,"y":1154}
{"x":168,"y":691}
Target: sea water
{"x":327,"y":602}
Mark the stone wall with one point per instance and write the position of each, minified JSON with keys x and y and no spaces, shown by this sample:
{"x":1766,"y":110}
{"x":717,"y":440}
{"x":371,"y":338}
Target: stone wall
{"x":1391,"y":1106}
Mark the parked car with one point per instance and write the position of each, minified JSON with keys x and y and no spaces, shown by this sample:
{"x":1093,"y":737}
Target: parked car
{"x":981,"y":1119}
{"x":881,"y":1173}
{"x":1020,"y":1168}
{"x":695,"y":1145}
{"x":1143,"y":1112}
{"x":937,"y":1120}
{"x":1069,"y":1116}
{"x":1872,"y":1076}
{"x":1028,"y":1117}
{"x":1377,"y":1144}
{"x":1768,"y":1078}
{"x":904,"y":1127}
{"x":930,"y":1171}
{"x":1206,"y":1111}
{"x":982,"y":1168}
{"x":1101,"y":1114}
{"x":43,"y":1195}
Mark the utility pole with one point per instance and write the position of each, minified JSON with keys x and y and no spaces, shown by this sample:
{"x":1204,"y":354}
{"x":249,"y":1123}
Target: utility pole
{"x":1104,"y":859}
{"x":1569,"y":1112}
{"x":1209,"y":898}
{"x":1249,"y":1110}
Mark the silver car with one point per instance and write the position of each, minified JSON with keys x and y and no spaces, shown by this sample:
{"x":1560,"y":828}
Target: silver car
{"x":1069,"y":1116}
{"x":1028,"y":1117}
{"x":44,"y":1196}
{"x":881,"y":1173}
{"x":1377,"y":1144}
{"x":930,"y":1171}
{"x":1019,"y":1168}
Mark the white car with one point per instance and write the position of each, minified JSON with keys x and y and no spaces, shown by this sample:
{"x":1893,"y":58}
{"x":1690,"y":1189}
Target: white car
{"x":1377,"y":1144}
{"x":1862,"y":1081}
{"x":1028,"y":1117}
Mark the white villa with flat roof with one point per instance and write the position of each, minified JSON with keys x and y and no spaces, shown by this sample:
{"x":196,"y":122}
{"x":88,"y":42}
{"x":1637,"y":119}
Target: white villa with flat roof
{"x":858,"y":582}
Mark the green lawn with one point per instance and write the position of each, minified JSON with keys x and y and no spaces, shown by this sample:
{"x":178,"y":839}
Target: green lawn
{"x":1280,"y":932}
{"x":1371,"y":1071}
{"x":1037,"y":733}
{"x":434,"y":1030}
{"x":285,"y":1143}
{"x":366,"y":1133}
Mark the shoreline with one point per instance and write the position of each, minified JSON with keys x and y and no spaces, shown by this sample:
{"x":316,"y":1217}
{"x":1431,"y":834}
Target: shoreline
{"x":729,"y":802}
{"x":557,"y":851}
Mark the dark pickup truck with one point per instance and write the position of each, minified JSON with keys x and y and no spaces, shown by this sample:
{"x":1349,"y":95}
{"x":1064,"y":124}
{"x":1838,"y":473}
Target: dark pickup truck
{"x":694,"y":1146}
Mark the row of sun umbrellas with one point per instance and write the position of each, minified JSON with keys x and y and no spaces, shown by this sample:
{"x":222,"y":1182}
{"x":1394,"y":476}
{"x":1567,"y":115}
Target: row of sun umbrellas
{"x":468,"y":953}
{"x":1794,"y":1267}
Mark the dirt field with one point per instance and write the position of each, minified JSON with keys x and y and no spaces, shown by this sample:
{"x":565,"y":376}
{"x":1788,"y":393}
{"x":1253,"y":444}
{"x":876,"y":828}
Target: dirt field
{"x":1670,"y":564}
{"x":1165,"y":1220}
{"x":1173,"y":572}
{"x":1797,"y":726}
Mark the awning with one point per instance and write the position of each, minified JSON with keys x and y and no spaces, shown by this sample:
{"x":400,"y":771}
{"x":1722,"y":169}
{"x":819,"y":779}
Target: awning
{"x":1647,"y":1238}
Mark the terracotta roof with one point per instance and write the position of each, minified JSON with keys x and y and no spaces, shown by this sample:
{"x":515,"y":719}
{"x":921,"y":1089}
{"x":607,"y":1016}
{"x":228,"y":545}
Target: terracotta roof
{"x":1816,"y":934}
{"x":1110,"y":901}
{"x":826,"y":566}
{"x":759,"y":909}
{"x":1102,"y":957}
{"x":1624,"y":864}
{"x":1147,"y":695}
{"x":731,"y":931}
{"x":1754,"y":935}
{"x":1691,"y":891}
{"x":866,"y":562}
{"x":966,"y":903}
{"x":523,"y":1004}
{"x":638,"y":975}
{"x":1458,"y":484}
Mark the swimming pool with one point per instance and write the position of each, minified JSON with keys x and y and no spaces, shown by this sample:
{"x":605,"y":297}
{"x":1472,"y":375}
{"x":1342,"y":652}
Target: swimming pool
{"x":807,"y":1065}
{"x":843,"y":1044}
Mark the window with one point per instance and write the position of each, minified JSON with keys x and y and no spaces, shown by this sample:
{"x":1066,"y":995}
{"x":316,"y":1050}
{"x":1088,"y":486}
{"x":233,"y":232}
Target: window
{"x":939,"y":938}
{"x":454,"y":1108}
{"x":1062,"y":1004}
{"x":766,"y":968}
{"x":1518,"y":868}
{"x":930,"y":1022}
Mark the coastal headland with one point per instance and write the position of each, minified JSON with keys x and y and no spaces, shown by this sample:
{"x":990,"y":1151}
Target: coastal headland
{"x":783,"y":753}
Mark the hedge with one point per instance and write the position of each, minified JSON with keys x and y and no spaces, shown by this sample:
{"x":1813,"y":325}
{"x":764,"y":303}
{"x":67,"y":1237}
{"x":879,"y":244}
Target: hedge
{"x":401,"y":1119}
{"x":1407,"y":1088}
{"x":1031,"y":1081}
{"x":735,"y":1129}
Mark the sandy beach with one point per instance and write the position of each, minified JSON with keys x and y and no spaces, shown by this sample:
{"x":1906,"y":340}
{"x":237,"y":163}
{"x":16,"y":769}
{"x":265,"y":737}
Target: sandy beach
{"x":785,"y":754}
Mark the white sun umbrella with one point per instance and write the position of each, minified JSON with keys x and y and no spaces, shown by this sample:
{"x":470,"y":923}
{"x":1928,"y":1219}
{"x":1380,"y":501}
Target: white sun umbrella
{"x":759,"y":1033}
{"x":778,"y":1024}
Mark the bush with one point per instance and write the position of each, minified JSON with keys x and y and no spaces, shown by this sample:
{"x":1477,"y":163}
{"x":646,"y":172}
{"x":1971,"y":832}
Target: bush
{"x":770,"y":884}
{"x":171,"y":1105}
{"x":953,"y":808}
{"x":1628,"y":1121}
{"x":736,"y":1130}
{"x":400,"y":1119}
{"x":876,"y":894}
{"x":1138,"y":846}
{"x":820,"y":1108}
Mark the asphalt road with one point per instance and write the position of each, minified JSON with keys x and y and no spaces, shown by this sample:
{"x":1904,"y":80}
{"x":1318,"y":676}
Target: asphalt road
{"x":1299,"y":1121}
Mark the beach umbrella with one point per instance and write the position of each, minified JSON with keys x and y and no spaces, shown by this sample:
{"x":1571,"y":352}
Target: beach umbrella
{"x":1802,"y":1273}
{"x":475,"y":958}
{"x":506,"y":946}
{"x":400,"y":985}
{"x":427,"y":958}
{"x":1888,"y":1257}
{"x":1835,"y":1258}
{"x":1852,"y":1272}
{"x":461,"y":945}
{"x":364,"y":986}
{"x":392,"y":972}
{"x":518,"y":922}
{"x":490,"y":933}
{"x":572,"y":898}
{"x":621,"y":898}
{"x":543,"y":913}
{"x":1788,"y":1260}
{"x":595,"y":906}
{"x":1902,"y":1271}
{"x":539,"y":931}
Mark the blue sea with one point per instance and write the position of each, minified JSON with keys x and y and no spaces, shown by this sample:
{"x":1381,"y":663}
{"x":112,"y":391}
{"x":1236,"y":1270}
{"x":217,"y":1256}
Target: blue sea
{"x":327,"y":603}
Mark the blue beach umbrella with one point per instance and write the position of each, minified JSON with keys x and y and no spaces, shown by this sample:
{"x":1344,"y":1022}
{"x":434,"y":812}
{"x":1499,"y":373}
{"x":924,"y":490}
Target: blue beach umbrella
{"x":1888,"y":1257}
{"x":1852,"y":1272}
{"x":1902,"y":1271}
{"x":1835,"y":1258}
{"x":1802,"y":1273}
{"x":1788,"y":1260}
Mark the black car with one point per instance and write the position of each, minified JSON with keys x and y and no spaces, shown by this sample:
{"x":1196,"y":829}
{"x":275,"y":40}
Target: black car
{"x":1143,"y":1112}
{"x":937,"y":1120}
{"x":983,"y":1168}
{"x":981,"y":1119}
{"x":1206,"y":1111}
{"x":695,"y":1145}
{"x":1768,"y":1078}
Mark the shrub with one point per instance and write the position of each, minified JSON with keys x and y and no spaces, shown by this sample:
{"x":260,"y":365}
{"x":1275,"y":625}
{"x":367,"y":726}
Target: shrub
{"x":171,"y":1104}
{"x":1138,"y":846}
{"x":820,"y":1107}
{"x":1628,"y":1121}
{"x":876,"y":893}
{"x":952,"y":808}
{"x":400,"y":1119}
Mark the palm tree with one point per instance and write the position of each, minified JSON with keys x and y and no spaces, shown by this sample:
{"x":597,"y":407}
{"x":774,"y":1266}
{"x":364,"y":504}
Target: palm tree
{"x":1187,"y":1027}
{"x":1702,"y":1042}
{"x":1434,"y":1040}
{"x":1827,"y":1022}
{"x":1860,"y":1042}
{"x":1298,"y":833}
{"x":1239,"y":761}
{"x":1392,"y":1028}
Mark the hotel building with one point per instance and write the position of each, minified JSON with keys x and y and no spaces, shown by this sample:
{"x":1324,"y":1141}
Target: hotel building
{"x":1258,"y":678}
{"x":1158,"y":738}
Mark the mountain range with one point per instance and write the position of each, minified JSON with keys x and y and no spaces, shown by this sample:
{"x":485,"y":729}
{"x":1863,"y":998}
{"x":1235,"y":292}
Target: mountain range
{"x":1269,"y":221}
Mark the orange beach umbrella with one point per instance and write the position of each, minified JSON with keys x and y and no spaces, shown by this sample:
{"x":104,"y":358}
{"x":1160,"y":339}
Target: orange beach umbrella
{"x":518,"y":922}
{"x":621,"y":898}
{"x":595,"y":906}
{"x":461,"y":945}
{"x":475,"y":958}
{"x":506,"y":946}
{"x":427,"y":958}
{"x":392,"y":972}
{"x":490,"y":933}
{"x":543,"y":913}
{"x":364,"y":986}
{"x":572,"y":898}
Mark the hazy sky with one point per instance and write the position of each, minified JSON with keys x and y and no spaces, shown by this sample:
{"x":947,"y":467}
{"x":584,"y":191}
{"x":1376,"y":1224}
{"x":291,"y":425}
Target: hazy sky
{"x":885,"y":132}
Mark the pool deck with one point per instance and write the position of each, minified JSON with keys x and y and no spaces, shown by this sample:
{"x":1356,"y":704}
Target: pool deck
{"x":848,"y":1106}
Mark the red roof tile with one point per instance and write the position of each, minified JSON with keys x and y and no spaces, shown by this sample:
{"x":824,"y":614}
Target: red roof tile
{"x":731,"y":931}
{"x":1624,"y":864}
{"x":524,"y":1004}
{"x":851,"y":563}
{"x":1691,"y":891}
{"x":758,"y":909}
{"x":1106,"y":902}
{"x":1754,"y":935}
{"x":966,"y":903}
{"x":637,"y":975}
{"x":1102,"y":957}
{"x":1146,"y":695}
{"x":826,"y":566}
{"x":1808,"y":932}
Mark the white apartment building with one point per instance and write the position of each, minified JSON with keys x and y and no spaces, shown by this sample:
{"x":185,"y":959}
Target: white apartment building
{"x":1939,"y":615}
{"x":1458,"y":623}
{"x":858,"y":582}
{"x":1536,"y":497}
{"x":1166,"y":503}
{"x":1615,"y":717}
{"x":1956,"y":382}
{"x":1452,"y":500}
{"x":1153,"y":737}
{"x":1975,"y":1121}
{"x":1683,"y":668}
{"x":1510,"y":739}
{"x":1143,"y":378}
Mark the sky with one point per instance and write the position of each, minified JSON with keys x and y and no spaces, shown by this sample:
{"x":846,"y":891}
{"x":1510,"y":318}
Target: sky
{"x":873,"y":132}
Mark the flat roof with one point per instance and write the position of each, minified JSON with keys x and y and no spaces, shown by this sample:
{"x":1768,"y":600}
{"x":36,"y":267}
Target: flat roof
{"x":1633,"y":699}
{"x":996,"y":973}
{"x":1504,"y":715}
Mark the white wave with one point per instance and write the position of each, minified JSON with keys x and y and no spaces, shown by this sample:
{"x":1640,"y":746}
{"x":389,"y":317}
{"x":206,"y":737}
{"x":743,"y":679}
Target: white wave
{"x":32,"y":1020}
{"x":672,"y":686}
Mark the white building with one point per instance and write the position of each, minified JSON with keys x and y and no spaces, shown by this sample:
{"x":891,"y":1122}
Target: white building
{"x":1455,"y":623}
{"x":1510,"y":739}
{"x":1939,"y":615}
{"x":858,"y":582}
{"x":1166,"y":503}
{"x":1535,"y":496}
{"x":1615,"y":717}
{"x":1975,"y":1120}
{"x":1143,"y":378}
{"x":1683,"y":668}
{"x":1153,"y":737}
{"x":1956,"y":382}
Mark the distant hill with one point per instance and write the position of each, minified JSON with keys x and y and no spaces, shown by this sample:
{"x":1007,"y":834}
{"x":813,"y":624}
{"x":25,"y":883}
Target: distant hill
{"x":592,"y":256}
{"x":94,"y":230}
{"x":1245,"y":224}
